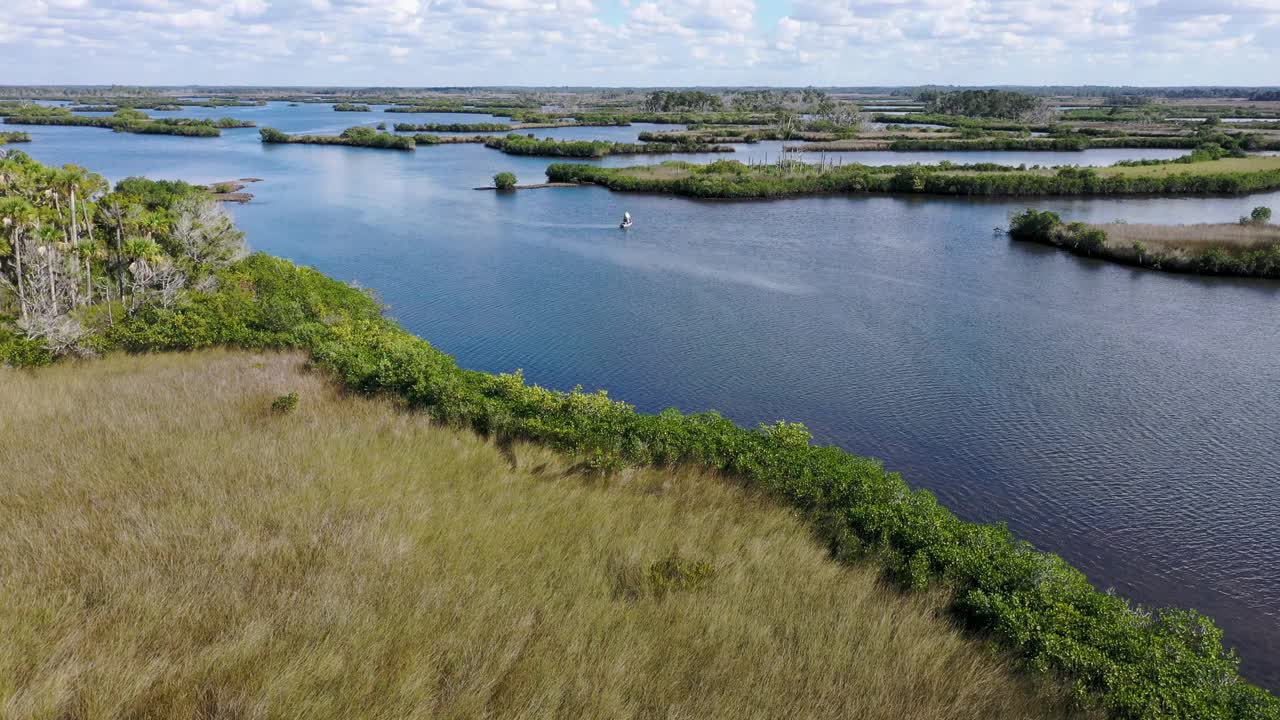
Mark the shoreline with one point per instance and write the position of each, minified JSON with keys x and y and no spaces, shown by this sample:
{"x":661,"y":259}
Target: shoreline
{"x":1208,"y":250}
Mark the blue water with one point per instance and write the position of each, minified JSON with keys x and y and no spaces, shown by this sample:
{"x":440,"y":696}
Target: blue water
{"x":1126,"y":419}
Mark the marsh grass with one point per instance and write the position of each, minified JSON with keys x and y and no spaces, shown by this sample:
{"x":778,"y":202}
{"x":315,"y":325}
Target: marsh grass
{"x":1191,"y":239}
{"x":1253,"y":163}
{"x":174,"y":548}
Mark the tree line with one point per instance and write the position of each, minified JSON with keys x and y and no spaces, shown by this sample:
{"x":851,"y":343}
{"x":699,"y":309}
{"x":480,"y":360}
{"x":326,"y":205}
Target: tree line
{"x":78,"y":255}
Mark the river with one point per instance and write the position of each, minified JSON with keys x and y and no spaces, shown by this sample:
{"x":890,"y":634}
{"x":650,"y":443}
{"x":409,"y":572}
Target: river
{"x":1126,"y":419}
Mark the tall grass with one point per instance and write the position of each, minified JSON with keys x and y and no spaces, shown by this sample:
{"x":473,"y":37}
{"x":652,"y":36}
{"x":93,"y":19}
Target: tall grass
{"x":174,"y":548}
{"x":1192,"y":239}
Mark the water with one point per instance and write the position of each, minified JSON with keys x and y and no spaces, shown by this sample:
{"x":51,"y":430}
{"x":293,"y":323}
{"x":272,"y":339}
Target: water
{"x":1126,"y":419}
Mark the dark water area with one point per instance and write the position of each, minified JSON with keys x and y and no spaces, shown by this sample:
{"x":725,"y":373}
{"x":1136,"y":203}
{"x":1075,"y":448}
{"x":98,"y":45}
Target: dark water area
{"x":1126,"y":419}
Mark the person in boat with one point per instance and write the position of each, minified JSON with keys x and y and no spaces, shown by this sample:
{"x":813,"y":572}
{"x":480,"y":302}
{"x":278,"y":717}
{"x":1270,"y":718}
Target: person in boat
{"x":626,"y":219}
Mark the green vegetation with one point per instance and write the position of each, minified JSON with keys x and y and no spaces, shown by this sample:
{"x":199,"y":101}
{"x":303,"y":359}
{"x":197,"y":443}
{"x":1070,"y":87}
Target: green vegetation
{"x":454,"y":127}
{"x":1209,"y":146}
{"x":77,"y":260}
{"x":350,"y":107}
{"x":353,"y":560}
{"x":14,"y":137}
{"x":504,"y":181}
{"x":1250,"y":248}
{"x":550,"y":147}
{"x":985,"y":103}
{"x":129,"y":121}
{"x":285,"y":404}
{"x":358,"y":136}
{"x":1259,"y":216}
{"x":426,"y":139}
{"x":731,"y":179}
{"x":960,"y":121}
{"x":681,"y":101}
{"x":1137,"y":663}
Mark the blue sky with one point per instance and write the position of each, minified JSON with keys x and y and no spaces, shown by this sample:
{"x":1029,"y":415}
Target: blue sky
{"x":641,"y":42}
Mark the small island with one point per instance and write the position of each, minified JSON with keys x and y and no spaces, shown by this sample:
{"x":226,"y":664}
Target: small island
{"x":127,"y":120}
{"x":358,"y":136}
{"x":788,"y":178}
{"x":1248,"y":248}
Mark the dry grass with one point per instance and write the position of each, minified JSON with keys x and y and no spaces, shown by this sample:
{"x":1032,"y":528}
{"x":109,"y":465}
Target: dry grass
{"x":658,"y":172}
{"x":1191,"y":239}
{"x":1253,"y":163}
{"x":174,"y":549}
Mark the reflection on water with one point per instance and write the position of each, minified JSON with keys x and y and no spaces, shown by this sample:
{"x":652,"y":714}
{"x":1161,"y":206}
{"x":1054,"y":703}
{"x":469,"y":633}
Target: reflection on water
{"x":1124,"y":418}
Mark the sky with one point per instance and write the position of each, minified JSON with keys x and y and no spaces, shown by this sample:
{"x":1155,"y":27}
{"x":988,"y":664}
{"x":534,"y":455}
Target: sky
{"x":640,"y":42}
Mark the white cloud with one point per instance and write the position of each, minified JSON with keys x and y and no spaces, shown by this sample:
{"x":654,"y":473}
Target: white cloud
{"x":842,"y":42}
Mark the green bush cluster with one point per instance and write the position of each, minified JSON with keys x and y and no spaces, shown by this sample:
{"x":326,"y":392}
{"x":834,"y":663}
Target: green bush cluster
{"x":350,"y":107}
{"x":14,"y":137}
{"x":1260,"y":215}
{"x":1046,"y":226}
{"x":504,"y":180}
{"x":285,"y":404}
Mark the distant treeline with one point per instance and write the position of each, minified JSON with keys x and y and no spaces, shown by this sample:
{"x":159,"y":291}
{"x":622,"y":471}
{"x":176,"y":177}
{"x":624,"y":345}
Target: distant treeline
{"x":550,"y":147}
{"x":731,"y":179}
{"x":983,"y":103}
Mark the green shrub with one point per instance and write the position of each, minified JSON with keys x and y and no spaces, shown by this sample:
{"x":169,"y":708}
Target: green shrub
{"x":1260,"y":216}
{"x":1031,"y":224}
{"x":285,"y":404}
{"x":675,"y":573}
{"x":504,"y":181}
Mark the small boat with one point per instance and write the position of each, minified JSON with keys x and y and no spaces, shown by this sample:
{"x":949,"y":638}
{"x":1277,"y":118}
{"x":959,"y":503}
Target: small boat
{"x":626,"y":221}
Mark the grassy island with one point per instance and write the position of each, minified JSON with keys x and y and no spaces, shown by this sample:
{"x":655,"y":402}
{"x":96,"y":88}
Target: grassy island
{"x":350,"y":107}
{"x":327,"y":565}
{"x":14,"y":137}
{"x":550,"y":147}
{"x":1248,"y":248}
{"x":732,"y":179}
{"x":359,"y":136}
{"x":130,"y":121}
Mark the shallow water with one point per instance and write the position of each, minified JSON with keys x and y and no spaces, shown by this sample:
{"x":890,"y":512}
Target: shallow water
{"x":1126,"y":419}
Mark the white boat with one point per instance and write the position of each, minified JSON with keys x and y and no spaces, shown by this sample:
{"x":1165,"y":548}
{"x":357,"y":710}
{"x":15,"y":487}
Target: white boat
{"x":626,"y":221}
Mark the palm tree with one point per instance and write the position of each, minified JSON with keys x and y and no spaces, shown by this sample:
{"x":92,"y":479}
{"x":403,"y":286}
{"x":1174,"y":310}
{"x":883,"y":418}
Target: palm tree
{"x":122,"y":212}
{"x":17,"y":216}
